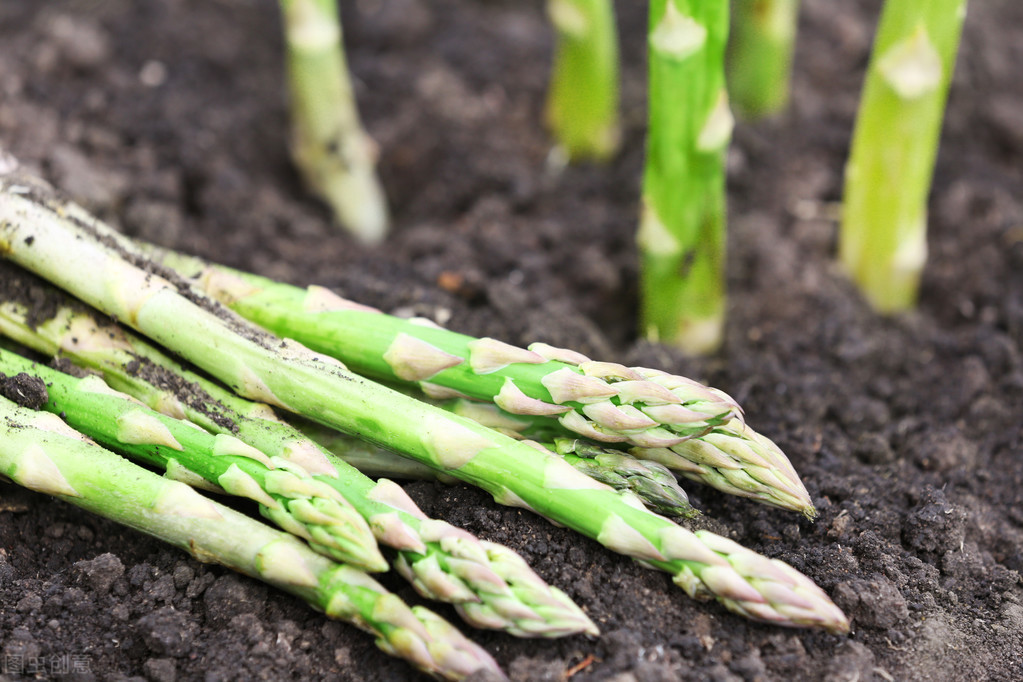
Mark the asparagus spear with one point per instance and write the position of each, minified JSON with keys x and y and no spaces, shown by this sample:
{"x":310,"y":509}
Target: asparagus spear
{"x":600,"y":400}
{"x":582,"y":104}
{"x":491,"y":586}
{"x":737,"y":460}
{"x":760,"y":55}
{"x":733,"y":458}
{"x":61,"y":242}
{"x":330,"y":148}
{"x":883,"y":237}
{"x":682,"y":227}
{"x":287,"y":494}
{"x":650,"y":481}
{"x":40,"y":452}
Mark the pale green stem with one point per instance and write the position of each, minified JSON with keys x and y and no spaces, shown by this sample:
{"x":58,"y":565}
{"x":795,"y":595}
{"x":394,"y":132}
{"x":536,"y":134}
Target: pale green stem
{"x":883,"y":236}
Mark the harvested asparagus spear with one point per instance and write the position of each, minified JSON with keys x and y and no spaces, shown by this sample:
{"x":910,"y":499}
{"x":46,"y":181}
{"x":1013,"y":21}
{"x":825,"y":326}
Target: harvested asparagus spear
{"x":286,"y":493}
{"x":40,"y":452}
{"x":883,"y":237}
{"x":733,"y":457}
{"x":682,"y":227}
{"x":760,"y":55}
{"x":63,"y":243}
{"x":600,"y":400}
{"x":582,"y":104}
{"x":334,"y":154}
{"x":490,"y":585}
{"x":650,"y":481}
{"x":736,"y":460}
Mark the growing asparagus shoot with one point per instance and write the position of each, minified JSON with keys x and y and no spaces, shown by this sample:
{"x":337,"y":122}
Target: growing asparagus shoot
{"x":760,"y":55}
{"x":61,"y":242}
{"x":682,"y":227}
{"x":582,"y":103}
{"x":40,"y":452}
{"x":490,"y":585}
{"x":335,"y":156}
{"x":883,"y":236}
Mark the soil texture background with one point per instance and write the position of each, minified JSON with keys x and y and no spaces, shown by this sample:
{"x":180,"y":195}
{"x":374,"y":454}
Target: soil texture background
{"x":167,"y":118}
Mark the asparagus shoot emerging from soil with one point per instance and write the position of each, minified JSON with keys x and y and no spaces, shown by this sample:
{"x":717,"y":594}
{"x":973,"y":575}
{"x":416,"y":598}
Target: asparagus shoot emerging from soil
{"x":883,"y":237}
{"x":490,"y":585}
{"x":40,"y":452}
{"x":286,"y":493}
{"x":760,"y":55}
{"x":582,"y":104}
{"x":600,"y":400}
{"x":333,"y":153}
{"x":61,"y":242}
{"x":682,"y":226}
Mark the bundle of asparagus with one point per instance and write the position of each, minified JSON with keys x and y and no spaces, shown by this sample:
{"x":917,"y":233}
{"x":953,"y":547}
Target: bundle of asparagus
{"x":694,"y":430}
{"x":491,"y":586}
{"x":43,"y":233}
{"x":40,"y":452}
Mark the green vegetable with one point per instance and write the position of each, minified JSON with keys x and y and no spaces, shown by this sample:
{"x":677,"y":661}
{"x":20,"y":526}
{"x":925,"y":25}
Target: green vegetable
{"x":682,"y":227}
{"x":883,"y":237}
{"x":735,"y":459}
{"x":491,"y":586}
{"x":287,"y":494}
{"x":760,"y":55}
{"x":330,"y":148}
{"x":582,"y":104}
{"x":600,"y":400}
{"x":61,"y":242}
{"x":40,"y":452}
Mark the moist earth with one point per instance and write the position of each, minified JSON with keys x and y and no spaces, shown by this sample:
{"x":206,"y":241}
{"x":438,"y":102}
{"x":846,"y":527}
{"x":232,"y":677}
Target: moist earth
{"x":167,"y":118}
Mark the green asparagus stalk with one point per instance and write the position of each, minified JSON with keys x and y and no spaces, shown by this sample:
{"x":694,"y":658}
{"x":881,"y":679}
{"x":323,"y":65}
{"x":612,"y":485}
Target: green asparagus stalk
{"x":732,"y":458}
{"x":61,"y":242}
{"x":883,"y":237}
{"x":736,"y":460}
{"x":334,"y":154}
{"x":600,"y":400}
{"x":650,"y":481}
{"x":682,"y":227}
{"x":40,"y":452}
{"x":491,"y":586}
{"x":760,"y":55}
{"x":287,"y":494}
{"x":582,"y":104}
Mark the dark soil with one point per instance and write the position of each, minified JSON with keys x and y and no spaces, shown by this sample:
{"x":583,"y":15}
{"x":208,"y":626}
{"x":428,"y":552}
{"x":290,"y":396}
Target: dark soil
{"x":167,"y":118}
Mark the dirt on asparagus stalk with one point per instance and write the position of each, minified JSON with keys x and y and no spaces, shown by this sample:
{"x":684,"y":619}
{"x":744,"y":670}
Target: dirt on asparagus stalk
{"x":45,"y":234}
{"x":489,"y":584}
{"x":530,"y":389}
{"x":40,"y":452}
